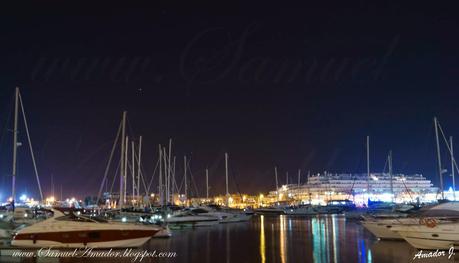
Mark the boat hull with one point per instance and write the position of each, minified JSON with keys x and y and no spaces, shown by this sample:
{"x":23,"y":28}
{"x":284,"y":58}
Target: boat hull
{"x":236,"y":218}
{"x":422,"y":237}
{"x":125,"y":243}
{"x":382,"y":231}
{"x":112,"y":238}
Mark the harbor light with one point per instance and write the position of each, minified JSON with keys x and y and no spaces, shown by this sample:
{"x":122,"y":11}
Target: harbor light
{"x":50,"y":200}
{"x":23,"y":198}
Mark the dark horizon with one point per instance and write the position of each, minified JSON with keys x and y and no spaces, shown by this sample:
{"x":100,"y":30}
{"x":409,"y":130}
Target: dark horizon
{"x":298,"y":87}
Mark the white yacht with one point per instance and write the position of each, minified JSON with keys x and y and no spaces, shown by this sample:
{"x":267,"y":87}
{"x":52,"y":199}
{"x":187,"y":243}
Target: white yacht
{"x":190,"y":218}
{"x":225,"y":215}
{"x":72,"y":231}
{"x":384,"y":228}
{"x":301,"y":210}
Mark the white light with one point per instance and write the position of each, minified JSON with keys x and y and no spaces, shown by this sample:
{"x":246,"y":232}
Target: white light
{"x":23,"y":197}
{"x":168,"y":215}
{"x":25,"y":215}
{"x":123,"y":219}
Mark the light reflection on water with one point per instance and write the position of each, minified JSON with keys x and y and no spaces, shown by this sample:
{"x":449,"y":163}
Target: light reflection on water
{"x":276,"y":239}
{"x":262,"y":240}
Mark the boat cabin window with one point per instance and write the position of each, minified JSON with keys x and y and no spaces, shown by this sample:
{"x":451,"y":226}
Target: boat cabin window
{"x":200,"y":211}
{"x":72,"y":217}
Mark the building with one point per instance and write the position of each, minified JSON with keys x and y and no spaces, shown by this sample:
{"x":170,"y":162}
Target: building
{"x":321,"y":188}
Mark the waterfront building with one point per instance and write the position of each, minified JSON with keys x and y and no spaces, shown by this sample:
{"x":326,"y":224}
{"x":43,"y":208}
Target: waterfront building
{"x":321,"y":188}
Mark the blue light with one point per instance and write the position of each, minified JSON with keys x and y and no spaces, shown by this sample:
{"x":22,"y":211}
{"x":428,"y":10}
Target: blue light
{"x":23,"y":197}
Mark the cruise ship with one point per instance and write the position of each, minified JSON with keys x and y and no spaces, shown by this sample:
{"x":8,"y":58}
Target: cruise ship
{"x":321,"y":188}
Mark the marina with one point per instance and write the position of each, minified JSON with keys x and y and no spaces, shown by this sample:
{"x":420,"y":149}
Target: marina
{"x":231,"y":132}
{"x":269,"y":239}
{"x":366,"y":210}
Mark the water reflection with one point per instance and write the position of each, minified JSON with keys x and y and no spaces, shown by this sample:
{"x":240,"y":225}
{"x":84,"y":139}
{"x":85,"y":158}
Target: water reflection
{"x":276,"y":239}
{"x":262,"y":240}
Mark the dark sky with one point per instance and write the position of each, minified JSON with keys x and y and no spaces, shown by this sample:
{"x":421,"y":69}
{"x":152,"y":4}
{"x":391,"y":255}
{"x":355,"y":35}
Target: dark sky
{"x":297,"y":86}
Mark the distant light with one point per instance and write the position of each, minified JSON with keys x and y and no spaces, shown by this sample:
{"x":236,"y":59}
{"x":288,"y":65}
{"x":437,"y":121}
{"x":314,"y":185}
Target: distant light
{"x":123,"y":219}
{"x":23,"y":197}
{"x":25,"y":215}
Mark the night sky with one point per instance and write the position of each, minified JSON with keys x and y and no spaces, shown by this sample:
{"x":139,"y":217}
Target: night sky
{"x":272,"y":84}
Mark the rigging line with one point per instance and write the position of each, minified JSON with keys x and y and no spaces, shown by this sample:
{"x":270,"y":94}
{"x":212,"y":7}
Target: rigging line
{"x":385,"y":165}
{"x":192,"y":178}
{"x":234,"y":180}
{"x":448,"y":146}
{"x":181,"y":184}
{"x":30,"y":147}
{"x":114,"y":178}
{"x":142,"y":172}
{"x":408,"y":191}
{"x":107,"y":168}
{"x":153,"y":176}
{"x":352,"y":187}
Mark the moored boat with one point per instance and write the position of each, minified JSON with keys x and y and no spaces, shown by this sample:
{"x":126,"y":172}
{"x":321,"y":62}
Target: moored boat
{"x":74,"y":231}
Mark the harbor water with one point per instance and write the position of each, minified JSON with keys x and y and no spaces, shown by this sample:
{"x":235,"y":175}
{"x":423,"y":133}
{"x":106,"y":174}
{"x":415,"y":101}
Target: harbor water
{"x":274,"y":238}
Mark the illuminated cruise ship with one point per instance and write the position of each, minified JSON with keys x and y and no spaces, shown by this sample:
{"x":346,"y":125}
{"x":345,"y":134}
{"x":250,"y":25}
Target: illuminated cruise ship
{"x":321,"y":188}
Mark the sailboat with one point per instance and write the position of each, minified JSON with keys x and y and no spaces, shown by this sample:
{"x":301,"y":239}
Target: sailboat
{"x":16,"y":214}
{"x":231,"y":215}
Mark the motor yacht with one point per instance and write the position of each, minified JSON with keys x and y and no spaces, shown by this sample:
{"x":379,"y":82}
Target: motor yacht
{"x":190,"y":218}
{"x":385,"y":228}
{"x":75,"y":231}
{"x":301,"y":210}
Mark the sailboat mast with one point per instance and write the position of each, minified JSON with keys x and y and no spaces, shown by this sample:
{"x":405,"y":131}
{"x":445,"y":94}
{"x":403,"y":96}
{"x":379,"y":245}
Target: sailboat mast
{"x":174,"y":183}
{"x":275,"y":174}
{"x":184,"y":178}
{"x":160,"y":187}
{"x":226,"y":179}
{"x":165,"y":176}
{"x":15,"y":145}
{"x":169,"y":172}
{"x":299,"y":177}
{"x":123,"y":134}
{"x":440,"y":172}
{"x":138,"y":167}
{"x":452,"y":166}
{"x":133,"y":170}
{"x":390,"y":175}
{"x":207,"y":183}
{"x":368,"y":167}
{"x":126,"y":156}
